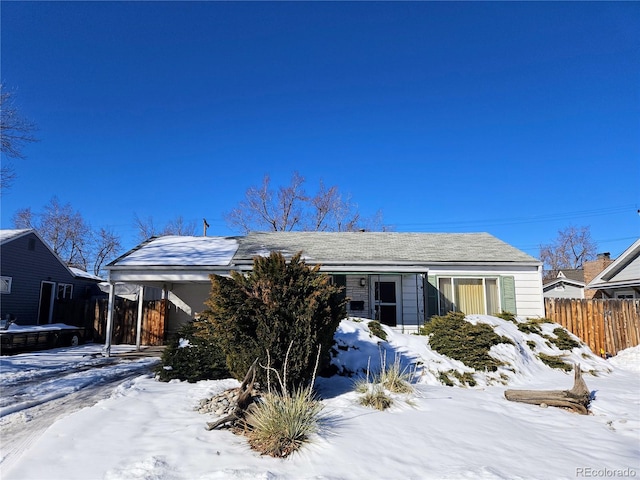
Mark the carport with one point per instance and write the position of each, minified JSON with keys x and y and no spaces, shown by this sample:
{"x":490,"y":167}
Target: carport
{"x":179,"y":265}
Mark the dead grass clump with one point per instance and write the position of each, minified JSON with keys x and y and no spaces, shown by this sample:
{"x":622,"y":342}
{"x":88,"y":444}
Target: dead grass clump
{"x":281,"y":423}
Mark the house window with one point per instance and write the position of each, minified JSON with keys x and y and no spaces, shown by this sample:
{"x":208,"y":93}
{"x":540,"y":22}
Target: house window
{"x":5,"y":284}
{"x":469,"y":295}
{"x":65,"y":291}
{"x":625,"y":295}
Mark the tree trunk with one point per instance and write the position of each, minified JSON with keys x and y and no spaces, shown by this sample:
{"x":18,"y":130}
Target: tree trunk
{"x":577,"y":399}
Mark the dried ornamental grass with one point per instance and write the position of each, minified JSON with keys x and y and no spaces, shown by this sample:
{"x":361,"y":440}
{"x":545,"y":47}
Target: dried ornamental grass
{"x":281,"y":423}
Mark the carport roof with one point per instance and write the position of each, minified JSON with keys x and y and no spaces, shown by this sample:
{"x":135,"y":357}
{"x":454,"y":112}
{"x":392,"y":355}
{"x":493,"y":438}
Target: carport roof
{"x":180,"y":251}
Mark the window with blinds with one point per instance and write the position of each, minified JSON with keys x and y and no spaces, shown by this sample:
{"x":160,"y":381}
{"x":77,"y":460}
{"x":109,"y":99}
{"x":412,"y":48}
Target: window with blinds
{"x":469,"y":295}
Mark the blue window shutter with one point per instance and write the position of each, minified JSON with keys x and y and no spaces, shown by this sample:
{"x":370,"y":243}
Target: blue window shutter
{"x":508,"y":294}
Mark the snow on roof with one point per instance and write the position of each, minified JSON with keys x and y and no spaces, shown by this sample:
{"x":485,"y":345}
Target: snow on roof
{"x":9,"y":234}
{"x":79,"y":273}
{"x":175,"y":250}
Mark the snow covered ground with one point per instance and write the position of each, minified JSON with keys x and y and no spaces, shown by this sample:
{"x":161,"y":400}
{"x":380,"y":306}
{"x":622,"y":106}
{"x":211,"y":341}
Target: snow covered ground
{"x":146,"y":429}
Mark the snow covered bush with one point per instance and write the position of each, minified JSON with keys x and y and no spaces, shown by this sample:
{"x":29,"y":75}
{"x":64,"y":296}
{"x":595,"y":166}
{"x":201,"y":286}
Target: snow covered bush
{"x":376,"y":329}
{"x":192,"y":355}
{"x":453,"y":336}
{"x":277,"y":304}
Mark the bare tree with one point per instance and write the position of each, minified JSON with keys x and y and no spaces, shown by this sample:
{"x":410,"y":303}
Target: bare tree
{"x":69,"y":235}
{"x":290,"y":208}
{"x":15,"y":132}
{"x":64,"y":230}
{"x":106,"y":245}
{"x":570,"y":250}
{"x":177,"y":226}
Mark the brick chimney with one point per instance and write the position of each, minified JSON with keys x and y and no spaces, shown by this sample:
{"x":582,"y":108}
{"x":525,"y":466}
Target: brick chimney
{"x":593,"y":268}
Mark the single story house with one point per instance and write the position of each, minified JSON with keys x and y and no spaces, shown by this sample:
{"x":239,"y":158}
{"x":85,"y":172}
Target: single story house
{"x":34,"y":281}
{"x":401,"y":279}
{"x":621,"y":279}
{"x":567,"y":283}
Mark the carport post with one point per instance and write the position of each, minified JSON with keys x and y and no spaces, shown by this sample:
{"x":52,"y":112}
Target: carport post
{"x":112,"y":298}
{"x":140,"y":317}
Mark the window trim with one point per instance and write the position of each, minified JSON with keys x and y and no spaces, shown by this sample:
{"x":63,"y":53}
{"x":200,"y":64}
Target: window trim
{"x":66,"y":287}
{"x":8,"y":281}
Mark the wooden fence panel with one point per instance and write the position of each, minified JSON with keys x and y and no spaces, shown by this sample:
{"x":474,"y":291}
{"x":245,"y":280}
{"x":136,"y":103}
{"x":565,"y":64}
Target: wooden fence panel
{"x":606,"y":326}
{"x":92,"y":314}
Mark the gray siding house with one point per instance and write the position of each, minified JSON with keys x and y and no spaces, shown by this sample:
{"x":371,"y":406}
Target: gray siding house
{"x":621,"y":279}
{"x":401,"y":279}
{"x":566,"y":284}
{"x":34,"y":280}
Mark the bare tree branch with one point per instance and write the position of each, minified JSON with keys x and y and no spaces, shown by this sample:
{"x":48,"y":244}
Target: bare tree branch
{"x":15,"y":132}
{"x":290,"y":208}
{"x":177,"y":226}
{"x":570,"y":250}
{"x":106,"y":245}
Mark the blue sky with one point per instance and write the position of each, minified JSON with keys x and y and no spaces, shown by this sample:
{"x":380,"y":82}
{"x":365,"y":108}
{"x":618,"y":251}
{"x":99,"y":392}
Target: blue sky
{"x":518,"y":119}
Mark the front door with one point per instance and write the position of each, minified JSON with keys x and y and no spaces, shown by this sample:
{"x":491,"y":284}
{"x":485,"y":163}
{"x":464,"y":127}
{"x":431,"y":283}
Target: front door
{"x":387,"y":300}
{"x":45,"y":309}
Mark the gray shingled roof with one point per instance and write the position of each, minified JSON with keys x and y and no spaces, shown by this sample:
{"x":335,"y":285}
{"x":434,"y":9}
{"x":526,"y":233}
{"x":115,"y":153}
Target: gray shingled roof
{"x":382,"y":247}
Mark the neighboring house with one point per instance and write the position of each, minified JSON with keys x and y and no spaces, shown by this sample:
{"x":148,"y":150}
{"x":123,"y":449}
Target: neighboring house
{"x":34,"y":280}
{"x":567,"y":283}
{"x":401,"y":279}
{"x":621,"y":279}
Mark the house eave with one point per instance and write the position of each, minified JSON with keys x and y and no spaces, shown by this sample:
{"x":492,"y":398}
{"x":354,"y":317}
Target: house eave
{"x":614,"y":285}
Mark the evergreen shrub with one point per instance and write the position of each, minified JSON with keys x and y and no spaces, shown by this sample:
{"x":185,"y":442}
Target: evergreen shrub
{"x":453,"y":336}
{"x":376,"y":329}
{"x":192,"y":355}
{"x":276,"y":305}
{"x":563,"y":340}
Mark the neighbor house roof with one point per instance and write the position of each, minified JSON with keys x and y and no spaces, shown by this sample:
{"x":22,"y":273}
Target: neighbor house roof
{"x":79,"y":273}
{"x":568,"y":277}
{"x":8,"y":235}
{"x":623,"y":272}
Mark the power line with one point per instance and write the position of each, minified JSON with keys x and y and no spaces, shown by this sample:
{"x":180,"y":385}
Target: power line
{"x":524,"y":220}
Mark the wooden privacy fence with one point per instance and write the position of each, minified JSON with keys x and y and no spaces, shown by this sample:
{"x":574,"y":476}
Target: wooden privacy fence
{"x":606,"y":326}
{"x":92,"y":315}
{"x":125,"y":320}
